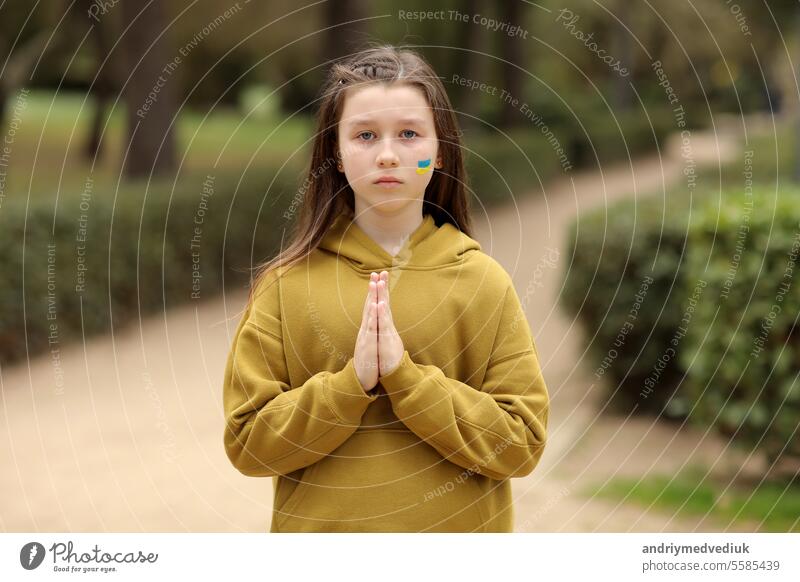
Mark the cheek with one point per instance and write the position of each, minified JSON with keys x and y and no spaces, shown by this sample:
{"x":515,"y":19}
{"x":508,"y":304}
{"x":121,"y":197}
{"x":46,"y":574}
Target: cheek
{"x":354,"y":160}
{"x":424,"y":149}
{"x":350,"y":152}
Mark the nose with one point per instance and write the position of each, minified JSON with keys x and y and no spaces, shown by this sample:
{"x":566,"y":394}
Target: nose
{"x":386,"y":155}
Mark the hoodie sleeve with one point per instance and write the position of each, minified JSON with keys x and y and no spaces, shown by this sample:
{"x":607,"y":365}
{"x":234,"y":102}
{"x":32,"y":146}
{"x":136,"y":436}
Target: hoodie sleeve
{"x":273,"y":428}
{"x":498,"y":431}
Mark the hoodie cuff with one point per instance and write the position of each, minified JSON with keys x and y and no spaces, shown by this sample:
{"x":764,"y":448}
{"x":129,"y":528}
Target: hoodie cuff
{"x":346,"y":396}
{"x":404,"y":379}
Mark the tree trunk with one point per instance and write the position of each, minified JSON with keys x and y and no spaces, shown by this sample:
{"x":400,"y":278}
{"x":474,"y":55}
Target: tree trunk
{"x":622,"y":49}
{"x":511,"y":52}
{"x":343,"y":36}
{"x":3,"y":99}
{"x":102,"y":85}
{"x":150,"y":91}
{"x":796,"y":156}
{"x":470,"y":64}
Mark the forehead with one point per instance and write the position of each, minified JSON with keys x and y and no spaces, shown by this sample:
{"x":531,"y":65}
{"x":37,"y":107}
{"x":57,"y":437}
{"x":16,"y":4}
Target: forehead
{"x":382,"y":102}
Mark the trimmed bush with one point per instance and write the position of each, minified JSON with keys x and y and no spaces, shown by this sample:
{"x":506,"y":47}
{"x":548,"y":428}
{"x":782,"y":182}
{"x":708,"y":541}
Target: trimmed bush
{"x":607,"y":137}
{"x":625,"y":284}
{"x":523,"y":159}
{"x":502,"y":168}
{"x":743,"y":347}
{"x":696,"y":318}
{"x":99,"y":261}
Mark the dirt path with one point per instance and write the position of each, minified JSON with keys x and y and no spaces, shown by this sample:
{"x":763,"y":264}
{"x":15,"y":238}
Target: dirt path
{"x":132,"y":442}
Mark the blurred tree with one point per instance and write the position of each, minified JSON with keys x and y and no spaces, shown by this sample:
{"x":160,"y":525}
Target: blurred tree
{"x":470,"y":63}
{"x":25,"y":35}
{"x":346,"y":29}
{"x":213,"y":63}
{"x":792,"y":15}
{"x":346,"y":26}
{"x":103,"y":84}
{"x":621,"y":50}
{"x":511,"y":60}
{"x":150,"y":90}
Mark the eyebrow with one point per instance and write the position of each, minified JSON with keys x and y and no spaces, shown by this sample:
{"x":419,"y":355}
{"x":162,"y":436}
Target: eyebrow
{"x":355,"y":122}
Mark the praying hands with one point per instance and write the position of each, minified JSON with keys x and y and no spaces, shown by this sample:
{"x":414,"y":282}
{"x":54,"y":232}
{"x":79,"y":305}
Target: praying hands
{"x":379,"y":348}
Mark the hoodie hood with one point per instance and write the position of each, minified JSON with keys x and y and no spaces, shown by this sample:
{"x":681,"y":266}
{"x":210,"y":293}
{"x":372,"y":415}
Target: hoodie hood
{"x":428,"y":246}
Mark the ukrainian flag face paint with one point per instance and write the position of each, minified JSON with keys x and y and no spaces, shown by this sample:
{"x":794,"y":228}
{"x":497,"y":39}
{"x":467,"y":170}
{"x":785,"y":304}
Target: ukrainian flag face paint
{"x":424,"y":166}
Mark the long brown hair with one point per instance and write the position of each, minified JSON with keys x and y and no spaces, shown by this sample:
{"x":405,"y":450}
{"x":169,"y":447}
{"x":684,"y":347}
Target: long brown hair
{"x":328,"y":194}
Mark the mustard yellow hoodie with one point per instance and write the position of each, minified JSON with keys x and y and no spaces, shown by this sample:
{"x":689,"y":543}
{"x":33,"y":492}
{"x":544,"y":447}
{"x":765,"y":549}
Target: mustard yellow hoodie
{"x":433,"y":446}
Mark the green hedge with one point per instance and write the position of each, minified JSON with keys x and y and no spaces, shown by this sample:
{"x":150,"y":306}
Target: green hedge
{"x":603,"y":137}
{"x":137,"y":256}
{"x":624,"y":283}
{"x":502,"y":168}
{"x":670,"y":331}
{"x":503,"y":165}
{"x":743,"y":349}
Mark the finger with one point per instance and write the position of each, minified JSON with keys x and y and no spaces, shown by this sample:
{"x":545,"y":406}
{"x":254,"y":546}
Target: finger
{"x":369,"y":299}
{"x":383,"y":321}
{"x":385,"y":277}
{"x":373,"y":280}
{"x":383,"y":296}
{"x":381,"y":290}
{"x":365,"y":311}
{"x":373,"y":318}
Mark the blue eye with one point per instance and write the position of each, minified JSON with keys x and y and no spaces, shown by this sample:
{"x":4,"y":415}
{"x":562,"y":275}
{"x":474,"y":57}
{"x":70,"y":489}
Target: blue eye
{"x":403,"y":133}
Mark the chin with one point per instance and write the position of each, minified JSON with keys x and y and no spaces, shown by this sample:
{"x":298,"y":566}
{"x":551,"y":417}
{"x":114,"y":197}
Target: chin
{"x":388,"y":204}
{"x":392,"y":204}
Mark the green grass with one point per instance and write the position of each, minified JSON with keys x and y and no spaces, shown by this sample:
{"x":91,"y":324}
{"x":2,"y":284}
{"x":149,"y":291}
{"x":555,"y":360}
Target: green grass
{"x":47,"y":152}
{"x":774,"y":505}
{"x":772,"y":162}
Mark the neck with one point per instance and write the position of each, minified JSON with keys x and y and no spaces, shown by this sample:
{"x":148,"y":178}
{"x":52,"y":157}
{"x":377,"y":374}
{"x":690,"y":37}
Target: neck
{"x":389,"y":230}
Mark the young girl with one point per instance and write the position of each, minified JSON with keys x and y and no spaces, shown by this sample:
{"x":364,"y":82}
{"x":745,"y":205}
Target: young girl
{"x":384,"y":373}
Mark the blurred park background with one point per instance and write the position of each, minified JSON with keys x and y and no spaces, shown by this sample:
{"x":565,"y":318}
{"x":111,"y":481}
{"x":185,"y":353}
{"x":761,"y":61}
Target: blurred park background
{"x":634,"y":164}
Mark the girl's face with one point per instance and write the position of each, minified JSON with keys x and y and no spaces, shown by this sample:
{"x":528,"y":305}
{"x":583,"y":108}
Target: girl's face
{"x":387,"y":132}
